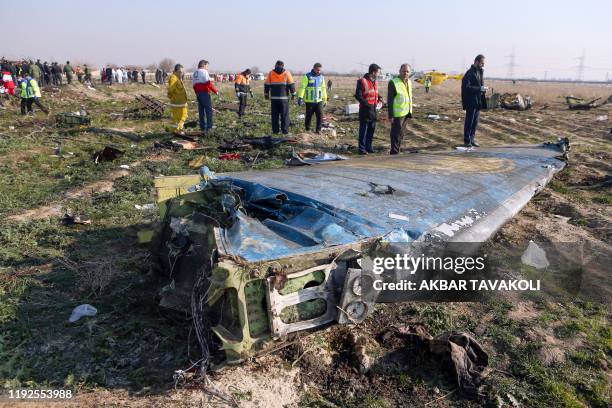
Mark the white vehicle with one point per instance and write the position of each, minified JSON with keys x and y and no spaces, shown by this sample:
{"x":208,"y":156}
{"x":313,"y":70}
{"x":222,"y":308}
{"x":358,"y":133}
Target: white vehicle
{"x":259,"y":76}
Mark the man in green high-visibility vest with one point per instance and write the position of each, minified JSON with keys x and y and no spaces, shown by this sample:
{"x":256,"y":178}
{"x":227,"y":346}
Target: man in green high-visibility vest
{"x":399,"y":102}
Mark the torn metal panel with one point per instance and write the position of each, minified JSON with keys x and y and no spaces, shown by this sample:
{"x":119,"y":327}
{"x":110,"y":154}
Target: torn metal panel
{"x":280,"y":249}
{"x":483,"y":187}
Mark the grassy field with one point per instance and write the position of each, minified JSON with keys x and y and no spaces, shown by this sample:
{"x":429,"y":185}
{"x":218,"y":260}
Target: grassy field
{"x":544,"y":352}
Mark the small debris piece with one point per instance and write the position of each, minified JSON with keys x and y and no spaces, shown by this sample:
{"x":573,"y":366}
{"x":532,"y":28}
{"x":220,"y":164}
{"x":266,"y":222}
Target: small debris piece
{"x":124,"y":166}
{"x":70,"y":119}
{"x":306,"y":158}
{"x":352,"y":109}
{"x":149,"y":206}
{"x":109,"y":153}
{"x":230,"y":156}
{"x":70,"y":219}
{"x":81,"y":311}
{"x":535,"y":256}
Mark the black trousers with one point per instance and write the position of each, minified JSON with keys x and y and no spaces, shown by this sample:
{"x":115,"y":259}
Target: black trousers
{"x":397,"y":134}
{"x":243,"y":104}
{"x":280,"y":112}
{"x":317,"y":110}
{"x":471,"y":123}
{"x":26,"y":105}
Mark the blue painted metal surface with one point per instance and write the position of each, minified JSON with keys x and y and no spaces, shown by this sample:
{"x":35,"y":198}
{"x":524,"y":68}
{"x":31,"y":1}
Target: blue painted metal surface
{"x":457,"y":195}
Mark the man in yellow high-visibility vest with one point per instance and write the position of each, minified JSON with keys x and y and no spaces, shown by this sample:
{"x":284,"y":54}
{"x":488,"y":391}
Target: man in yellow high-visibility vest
{"x":399,"y":102}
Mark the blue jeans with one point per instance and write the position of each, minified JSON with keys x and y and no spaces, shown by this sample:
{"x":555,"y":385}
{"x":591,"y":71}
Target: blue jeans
{"x":366,"y":135}
{"x":471,"y":122}
{"x":205,"y":108}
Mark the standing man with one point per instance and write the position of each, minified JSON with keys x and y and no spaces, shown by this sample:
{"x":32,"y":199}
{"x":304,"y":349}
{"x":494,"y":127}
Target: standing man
{"x":142,"y":75}
{"x":473,"y":99}
{"x":36,"y":72}
{"x":178,"y":98}
{"x":314,"y":92}
{"x":277,"y":87}
{"x":87,"y":72}
{"x":30,"y":93}
{"x":109,"y":74}
{"x":69,"y":72}
{"x":79,"y":73}
{"x":242,"y":86}
{"x":427,"y":83}
{"x":158,"y":76}
{"x":367,"y":95}
{"x":399,"y":103}
{"x":203,"y":86}
{"x":47,"y":73}
{"x":329,"y":86}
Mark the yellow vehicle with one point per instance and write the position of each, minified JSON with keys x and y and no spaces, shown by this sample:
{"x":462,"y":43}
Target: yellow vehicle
{"x":437,"y":78}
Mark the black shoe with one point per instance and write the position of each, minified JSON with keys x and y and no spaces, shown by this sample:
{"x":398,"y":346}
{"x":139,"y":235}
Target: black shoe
{"x":370,"y":151}
{"x":363,"y":153}
{"x":468,"y":145}
{"x":475,"y":144}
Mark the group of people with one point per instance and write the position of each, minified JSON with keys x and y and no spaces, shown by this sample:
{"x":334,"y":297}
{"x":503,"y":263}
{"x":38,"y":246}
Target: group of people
{"x":45,"y":73}
{"x":121,"y":75}
{"x":25,"y":79}
{"x":279,"y":88}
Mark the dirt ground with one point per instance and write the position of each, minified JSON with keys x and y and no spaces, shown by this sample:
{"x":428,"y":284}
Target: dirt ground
{"x":543,"y":351}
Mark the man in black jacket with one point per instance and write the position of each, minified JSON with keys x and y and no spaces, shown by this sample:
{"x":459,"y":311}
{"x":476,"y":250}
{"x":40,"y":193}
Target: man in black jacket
{"x":367,"y":94}
{"x":473,"y":99}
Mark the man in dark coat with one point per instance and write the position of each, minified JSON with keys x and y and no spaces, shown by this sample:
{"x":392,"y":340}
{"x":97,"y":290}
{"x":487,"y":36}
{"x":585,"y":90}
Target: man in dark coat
{"x":473,"y":99}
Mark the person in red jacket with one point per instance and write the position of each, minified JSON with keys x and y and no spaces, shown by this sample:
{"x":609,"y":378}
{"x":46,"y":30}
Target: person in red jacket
{"x":7,"y":82}
{"x":203,"y":86}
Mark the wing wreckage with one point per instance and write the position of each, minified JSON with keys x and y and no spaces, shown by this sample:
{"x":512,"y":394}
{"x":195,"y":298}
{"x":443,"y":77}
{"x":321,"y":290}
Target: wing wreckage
{"x":255,"y":256}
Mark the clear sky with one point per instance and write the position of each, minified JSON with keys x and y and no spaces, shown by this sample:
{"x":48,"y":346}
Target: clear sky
{"x":547,"y":36}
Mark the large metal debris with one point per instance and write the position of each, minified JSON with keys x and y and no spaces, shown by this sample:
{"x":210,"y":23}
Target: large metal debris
{"x":148,"y":107}
{"x":574,"y":103}
{"x":511,"y":101}
{"x":255,"y":256}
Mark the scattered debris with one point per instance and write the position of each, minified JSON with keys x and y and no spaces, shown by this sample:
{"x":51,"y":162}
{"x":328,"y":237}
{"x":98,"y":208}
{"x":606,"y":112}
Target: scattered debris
{"x":82,"y":311}
{"x":230,"y":156}
{"x":601,"y":118}
{"x":301,"y":116}
{"x":69,"y":119}
{"x":71,"y":219}
{"x":109,"y":153}
{"x":535,"y":256}
{"x":266,"y":142}
{"x":307,"y":158}
{"x":149,"y":206}
{"x":432,"y":116}
{"x":124,"y":166}
{"x":465,"y":356}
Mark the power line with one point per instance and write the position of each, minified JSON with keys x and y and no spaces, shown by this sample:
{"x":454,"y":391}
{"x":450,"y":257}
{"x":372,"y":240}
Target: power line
{"x":580,"y":72}
{"x":511,"y":64}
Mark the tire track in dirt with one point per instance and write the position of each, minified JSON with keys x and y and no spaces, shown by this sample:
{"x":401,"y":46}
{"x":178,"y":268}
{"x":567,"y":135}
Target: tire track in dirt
{"x":511,"y":131}
{"x":56,"y":209}
{"x":495,"y":134}
{"x":537,"y":128}
{"x":434,"y":134}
